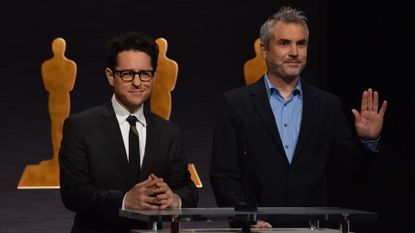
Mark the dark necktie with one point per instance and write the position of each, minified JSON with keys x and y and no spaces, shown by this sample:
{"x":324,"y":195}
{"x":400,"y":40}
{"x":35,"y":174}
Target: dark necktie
{"x":134,"y":149}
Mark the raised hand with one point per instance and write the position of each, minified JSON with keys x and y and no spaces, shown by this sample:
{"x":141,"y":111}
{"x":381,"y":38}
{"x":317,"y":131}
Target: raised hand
{"x":369,"y":121}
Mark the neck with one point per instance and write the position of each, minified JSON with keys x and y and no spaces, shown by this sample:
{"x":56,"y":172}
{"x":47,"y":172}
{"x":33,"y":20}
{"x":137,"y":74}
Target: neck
{"x":284,"y":85}
{"x":130,"y":109}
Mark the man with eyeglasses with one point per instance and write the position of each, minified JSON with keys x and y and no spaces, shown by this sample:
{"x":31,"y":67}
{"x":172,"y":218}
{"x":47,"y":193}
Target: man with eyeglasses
{"x":120,"y":155}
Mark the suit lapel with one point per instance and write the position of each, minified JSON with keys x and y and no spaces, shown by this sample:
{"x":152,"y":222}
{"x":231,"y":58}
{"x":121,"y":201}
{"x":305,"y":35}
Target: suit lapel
{"x":152,"y":139}
{"x":112,"y":129}
{"x":310,"y":105}
{"x":260,"y":102}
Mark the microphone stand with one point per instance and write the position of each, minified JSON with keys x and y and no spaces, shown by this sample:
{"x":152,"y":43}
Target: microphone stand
{"x":245,"y":205}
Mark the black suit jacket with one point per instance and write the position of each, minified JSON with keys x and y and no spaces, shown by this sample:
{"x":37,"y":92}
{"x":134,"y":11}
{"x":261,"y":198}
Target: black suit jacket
{"x":94,"y":168}
{"x":325,"y":144}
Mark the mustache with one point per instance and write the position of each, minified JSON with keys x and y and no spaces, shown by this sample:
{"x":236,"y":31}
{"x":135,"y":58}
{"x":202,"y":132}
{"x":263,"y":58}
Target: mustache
{"x":291,"y":60}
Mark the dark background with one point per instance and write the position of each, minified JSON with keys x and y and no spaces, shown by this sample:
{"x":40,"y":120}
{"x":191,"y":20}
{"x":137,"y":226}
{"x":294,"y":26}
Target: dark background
{"x":354,"y":45}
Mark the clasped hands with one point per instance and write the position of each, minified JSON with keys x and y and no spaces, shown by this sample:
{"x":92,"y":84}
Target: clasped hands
{"x":152,"y":193}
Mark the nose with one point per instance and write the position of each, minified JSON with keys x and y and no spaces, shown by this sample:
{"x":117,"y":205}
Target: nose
{"x":136,"y":80}
{"x":294,"y":51}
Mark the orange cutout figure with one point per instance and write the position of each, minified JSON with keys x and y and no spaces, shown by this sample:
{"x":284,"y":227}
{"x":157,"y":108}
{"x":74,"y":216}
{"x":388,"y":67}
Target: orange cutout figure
{"x":58,"y":74}
{"x":164,"y":82}
{"x":256,"y":67}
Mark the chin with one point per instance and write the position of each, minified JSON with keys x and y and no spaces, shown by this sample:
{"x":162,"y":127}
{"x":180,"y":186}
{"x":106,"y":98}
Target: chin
{"x":293,"y":74}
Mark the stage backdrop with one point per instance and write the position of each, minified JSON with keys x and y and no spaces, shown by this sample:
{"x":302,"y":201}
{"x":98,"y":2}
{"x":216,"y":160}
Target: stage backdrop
{"x":353,"y":45}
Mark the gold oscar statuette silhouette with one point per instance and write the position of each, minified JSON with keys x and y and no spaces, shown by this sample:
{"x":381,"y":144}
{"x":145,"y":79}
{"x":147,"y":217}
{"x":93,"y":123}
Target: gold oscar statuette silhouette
{"x":58,"y":74}
{"x":256,"y":67}
{"x":164,"y":82}
{"x":160,"y":102}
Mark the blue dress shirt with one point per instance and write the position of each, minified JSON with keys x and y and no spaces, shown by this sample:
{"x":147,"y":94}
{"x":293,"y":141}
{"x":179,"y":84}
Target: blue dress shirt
{"x":288,"y":114}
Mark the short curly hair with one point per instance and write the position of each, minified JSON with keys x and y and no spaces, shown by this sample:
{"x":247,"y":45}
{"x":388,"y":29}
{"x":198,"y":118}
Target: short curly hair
{"x":136,"y":41}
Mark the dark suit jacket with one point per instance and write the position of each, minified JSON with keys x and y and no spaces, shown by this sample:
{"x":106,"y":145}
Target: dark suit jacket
{"x":325,"y":144}
{"x":94,"y":168}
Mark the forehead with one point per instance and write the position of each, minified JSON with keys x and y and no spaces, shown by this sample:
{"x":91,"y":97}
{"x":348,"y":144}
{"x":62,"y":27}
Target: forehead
{"x":132,"y":59}
{"x":288,"y":31}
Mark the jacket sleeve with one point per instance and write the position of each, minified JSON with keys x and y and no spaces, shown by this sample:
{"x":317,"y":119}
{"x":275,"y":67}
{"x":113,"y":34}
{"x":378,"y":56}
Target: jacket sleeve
{"x":179,"y":177}
{"x":224,"y":167}
{"x":77,"y":190}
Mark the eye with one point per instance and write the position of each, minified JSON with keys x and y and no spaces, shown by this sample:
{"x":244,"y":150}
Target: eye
{"x":284,"y":42}
{"x":127,"y":74}
{"x":302,"y":43}
{"x":145,"y":73}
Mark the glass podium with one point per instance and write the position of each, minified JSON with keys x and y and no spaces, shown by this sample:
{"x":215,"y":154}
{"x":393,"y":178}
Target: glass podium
{"x":246,"y":218}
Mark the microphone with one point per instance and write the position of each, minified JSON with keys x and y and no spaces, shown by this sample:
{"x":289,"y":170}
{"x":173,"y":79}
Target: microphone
{"x":246,"y":204}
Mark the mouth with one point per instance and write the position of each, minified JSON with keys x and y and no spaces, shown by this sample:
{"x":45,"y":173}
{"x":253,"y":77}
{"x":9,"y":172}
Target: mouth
{"x":136,"y":92}
{"x":293,"y":63}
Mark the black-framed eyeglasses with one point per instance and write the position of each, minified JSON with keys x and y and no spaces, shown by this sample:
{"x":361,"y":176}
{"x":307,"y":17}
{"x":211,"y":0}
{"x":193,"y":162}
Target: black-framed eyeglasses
{"x":128,"y":75}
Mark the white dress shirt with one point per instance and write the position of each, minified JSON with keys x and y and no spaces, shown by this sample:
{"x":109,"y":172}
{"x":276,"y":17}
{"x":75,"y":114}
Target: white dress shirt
{"x":121,"y":113}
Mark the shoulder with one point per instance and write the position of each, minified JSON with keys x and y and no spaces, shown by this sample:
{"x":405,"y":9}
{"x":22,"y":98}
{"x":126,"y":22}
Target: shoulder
{"x":244,"y":90}
{"x":165,"y":126}
{"x":243,"y":93}
{"x":89,"y":119}
{"x":91,"y":113}
{"x":320,"y":94}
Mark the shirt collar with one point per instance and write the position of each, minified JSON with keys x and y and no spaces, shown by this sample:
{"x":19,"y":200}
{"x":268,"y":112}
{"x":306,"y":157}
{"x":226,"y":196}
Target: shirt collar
{"x":121,"y":113}
{"x":270,"y":88}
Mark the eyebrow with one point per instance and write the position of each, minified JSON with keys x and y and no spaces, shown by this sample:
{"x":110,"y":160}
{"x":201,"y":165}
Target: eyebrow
{"x":290,"y":41}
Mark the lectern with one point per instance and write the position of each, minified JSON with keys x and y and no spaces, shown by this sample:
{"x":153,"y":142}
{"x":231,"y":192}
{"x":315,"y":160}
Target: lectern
{"x":188,"y":214}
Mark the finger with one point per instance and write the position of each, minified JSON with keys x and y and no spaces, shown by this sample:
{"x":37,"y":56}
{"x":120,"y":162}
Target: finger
{"x":163,"y":196}
{"x":153,"y":191}
{"x":356,"y":114}
{"x":162,"y":184}
{"x":144,"y":203}
{"x":162,"y":202}
{"x":150,"y":206}
{"x":165,"y":206}
{"x":146,"y":190}
{"x":151,"y":183}
{"x":152,"y":201}
{"x":370,"y":99}
{"x":158,"y":190}
{"x":262,"y":225}
{"x":383,"y":108}
{"x":155,"y":177}
{"x":363,"y":104}
{"x":142,"y":183}
{"x":158,"y":202}
{"x":258,"y":226}
{"x":375,"y":101}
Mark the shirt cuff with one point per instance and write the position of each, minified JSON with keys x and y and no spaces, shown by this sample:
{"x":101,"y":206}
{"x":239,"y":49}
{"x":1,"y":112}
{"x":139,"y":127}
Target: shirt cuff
{"x":372,"y":144}
{"x":123,"y":204}
{"x":180,"y":200}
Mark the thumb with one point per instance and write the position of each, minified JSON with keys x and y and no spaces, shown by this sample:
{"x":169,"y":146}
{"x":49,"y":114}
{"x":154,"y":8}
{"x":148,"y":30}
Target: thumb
{"x":356,"y":114}
{"x":144,"y":182}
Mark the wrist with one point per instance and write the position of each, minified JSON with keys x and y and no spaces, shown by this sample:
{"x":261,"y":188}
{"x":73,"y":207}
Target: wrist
{"x":177,"y":202}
